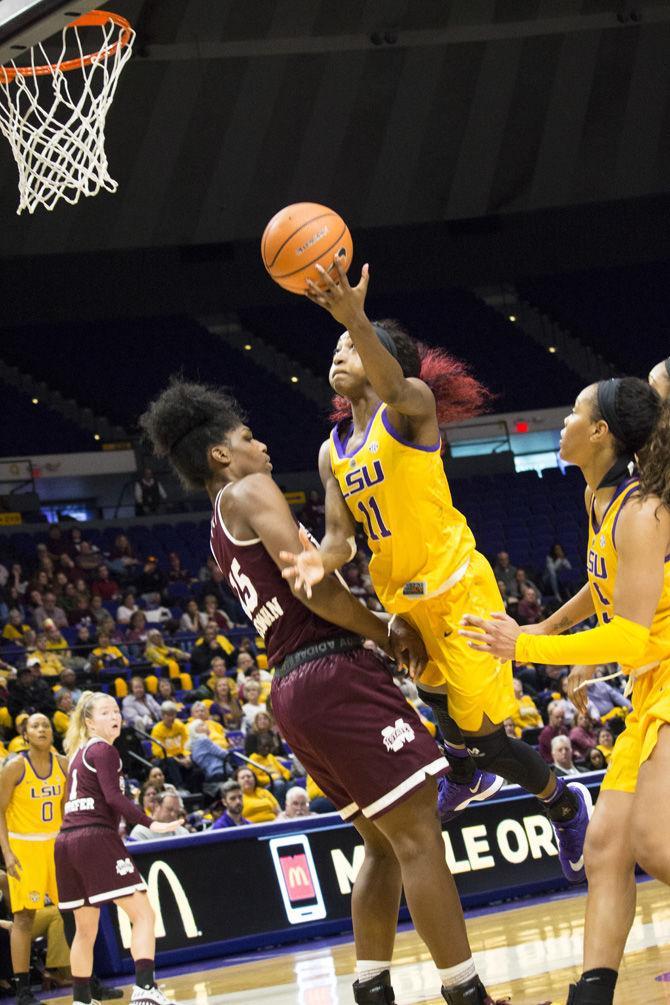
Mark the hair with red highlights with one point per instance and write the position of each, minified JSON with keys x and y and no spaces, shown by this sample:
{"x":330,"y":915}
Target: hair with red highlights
{"x":458,"y":395}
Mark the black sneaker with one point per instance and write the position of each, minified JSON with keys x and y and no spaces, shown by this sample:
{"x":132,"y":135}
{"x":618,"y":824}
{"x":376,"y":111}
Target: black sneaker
{"x":472,"y":993}
{"x":376,"y":991}
{"x":27,"y":998}
{"x":101,"y":992}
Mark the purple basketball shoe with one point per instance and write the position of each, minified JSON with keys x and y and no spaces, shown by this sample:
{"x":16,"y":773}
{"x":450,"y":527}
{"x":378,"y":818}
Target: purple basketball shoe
{"x":453,"y":798}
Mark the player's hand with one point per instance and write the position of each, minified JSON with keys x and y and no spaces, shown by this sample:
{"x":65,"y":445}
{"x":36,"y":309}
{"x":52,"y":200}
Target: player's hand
{"x":407,"y":647}
{"x":305,"y":569}
{"x":496,"y":636}
{"x":335,"y":294}
{"x":166,"y":826}
{"x":578,"y":693}
{"x":13,"y":866}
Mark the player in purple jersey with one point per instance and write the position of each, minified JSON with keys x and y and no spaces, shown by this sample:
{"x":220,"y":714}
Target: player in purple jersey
{"x":93,"y":866}
{"x":333,"y":700}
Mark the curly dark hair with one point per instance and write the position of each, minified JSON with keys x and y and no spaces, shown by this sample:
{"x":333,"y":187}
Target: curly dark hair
{"x":458,"y":395}
{"x":654,"y":459}
{"x":185,"y":421}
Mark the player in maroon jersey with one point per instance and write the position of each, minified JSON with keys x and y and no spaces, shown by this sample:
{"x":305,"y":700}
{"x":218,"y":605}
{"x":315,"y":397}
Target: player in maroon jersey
{"x":93,"y":866}
{"x":333,"y":700}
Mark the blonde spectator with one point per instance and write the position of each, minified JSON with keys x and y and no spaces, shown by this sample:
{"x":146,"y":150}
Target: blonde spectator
{"x":50,"y":663}
{"x":225,"y":707}
{"x":15,"y":630}
{"x":215,"y":731}
{"x":160,"y":654}
{"x":252,"y":705}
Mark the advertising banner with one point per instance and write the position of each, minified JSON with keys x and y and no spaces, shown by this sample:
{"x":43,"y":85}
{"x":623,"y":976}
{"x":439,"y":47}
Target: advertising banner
{"x":236,"y":890}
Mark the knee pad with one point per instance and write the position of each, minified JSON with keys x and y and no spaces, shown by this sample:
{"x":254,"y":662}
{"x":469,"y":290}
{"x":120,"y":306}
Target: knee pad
{"x":512,"y":759}
{"x":439,"y":703}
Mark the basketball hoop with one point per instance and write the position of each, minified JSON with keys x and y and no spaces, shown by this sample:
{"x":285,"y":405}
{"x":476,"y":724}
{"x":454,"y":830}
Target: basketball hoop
{"x":56,"y":124}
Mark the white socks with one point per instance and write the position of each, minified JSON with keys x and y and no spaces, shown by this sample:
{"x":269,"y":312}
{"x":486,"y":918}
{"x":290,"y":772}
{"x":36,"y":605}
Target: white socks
{"x":367,"y":969}
{"x":453,"y":977}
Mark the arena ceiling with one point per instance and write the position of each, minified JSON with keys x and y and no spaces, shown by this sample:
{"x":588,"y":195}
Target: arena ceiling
{"x":394,"y":111}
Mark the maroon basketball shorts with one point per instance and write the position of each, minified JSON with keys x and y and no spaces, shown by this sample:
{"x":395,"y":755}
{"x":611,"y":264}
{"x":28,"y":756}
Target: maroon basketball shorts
{"x":93,"y":866}
{"x":355,"y":733}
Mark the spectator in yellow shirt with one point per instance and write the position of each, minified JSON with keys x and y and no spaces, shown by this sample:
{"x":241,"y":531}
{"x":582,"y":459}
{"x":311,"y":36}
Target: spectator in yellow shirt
{"x":158,"y":653}
{"x":318,"y":800}
{"x":64,"y":705}
{"x":105,"y":656}
{"x":605,"y":743}
{"x":172,"y":734}
{"x":526,"y":715}
{"x":210,"y":644}
{"x":200,"y":713}
{"x":55,"y":640}
{"x":271,"y":773}
{"x":259,"y":806}
{"x":15,"y":630}
{"x":50,"y":663}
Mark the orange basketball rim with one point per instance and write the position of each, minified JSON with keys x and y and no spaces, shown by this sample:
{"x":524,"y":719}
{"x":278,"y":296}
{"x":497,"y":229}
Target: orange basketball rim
{"x":94,"y":18}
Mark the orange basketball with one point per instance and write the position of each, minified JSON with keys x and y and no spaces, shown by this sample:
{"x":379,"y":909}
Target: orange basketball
{"x":300,"y":237}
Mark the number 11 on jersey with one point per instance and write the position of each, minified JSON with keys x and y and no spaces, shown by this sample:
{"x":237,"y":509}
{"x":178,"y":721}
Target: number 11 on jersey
{"x":373,"y":518}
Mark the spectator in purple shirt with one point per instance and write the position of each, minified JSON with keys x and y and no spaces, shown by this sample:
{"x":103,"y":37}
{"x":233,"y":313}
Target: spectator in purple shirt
{"x":140,"y":708}
{"x":604,"y":696}
{"x":583,"y":737}
{"x":231,"y":797}
{"x":555,"y":727}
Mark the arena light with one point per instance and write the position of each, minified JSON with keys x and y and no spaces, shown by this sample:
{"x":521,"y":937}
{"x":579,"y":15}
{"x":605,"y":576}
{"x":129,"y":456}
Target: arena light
{"x":552,"y":349}
{"x":512,"y":318}
{"x":294,"y":380}
{"x":248,"y":347}
{"x":521,"y":426}
{"x":36,"y":401}
{"x":96,"y":436}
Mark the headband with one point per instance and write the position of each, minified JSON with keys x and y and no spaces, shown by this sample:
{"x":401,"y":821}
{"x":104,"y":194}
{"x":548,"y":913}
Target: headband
{"x":667,"y":366}
{"x":385,"y":339}
{"x":607,"y":392}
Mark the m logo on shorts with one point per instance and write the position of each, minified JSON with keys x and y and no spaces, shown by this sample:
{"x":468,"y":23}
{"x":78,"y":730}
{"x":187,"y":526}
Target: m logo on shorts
{"x":395,"y":737}
{"x":124,"y":866}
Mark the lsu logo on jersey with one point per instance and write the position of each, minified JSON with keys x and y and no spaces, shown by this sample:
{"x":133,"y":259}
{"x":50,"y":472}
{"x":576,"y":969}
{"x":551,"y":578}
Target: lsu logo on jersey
{"x":45,"y":791}
{"x":596,"y":565}
{"x":365,"y":476}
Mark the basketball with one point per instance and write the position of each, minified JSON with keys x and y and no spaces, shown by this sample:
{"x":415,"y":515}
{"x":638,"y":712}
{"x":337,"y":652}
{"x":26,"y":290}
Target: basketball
{"x":300,"y":237}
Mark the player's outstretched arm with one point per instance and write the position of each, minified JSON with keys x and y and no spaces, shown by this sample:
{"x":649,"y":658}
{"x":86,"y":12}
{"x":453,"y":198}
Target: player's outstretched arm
{"x":571,"y":613}
{"x":266,"y":511}
{"x":338,"y":547}
{"x":407,"y":395}
{"x":643,"y":536}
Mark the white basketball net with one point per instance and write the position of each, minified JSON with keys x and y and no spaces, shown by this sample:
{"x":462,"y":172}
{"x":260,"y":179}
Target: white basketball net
{"x":55,"y":121}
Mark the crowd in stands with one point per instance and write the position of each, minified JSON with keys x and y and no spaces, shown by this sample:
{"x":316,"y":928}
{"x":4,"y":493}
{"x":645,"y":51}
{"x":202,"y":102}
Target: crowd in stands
{"x":176,"y":650}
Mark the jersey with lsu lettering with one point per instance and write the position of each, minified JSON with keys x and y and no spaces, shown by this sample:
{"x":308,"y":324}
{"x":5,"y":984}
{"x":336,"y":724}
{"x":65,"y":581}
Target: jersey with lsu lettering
{"x":400,"y":494}
{"x":602,"y":564}
{"x":281,"y":620}
{"x":35,"y":809}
